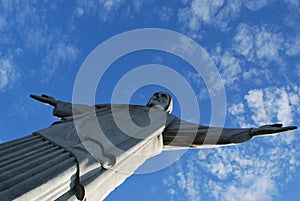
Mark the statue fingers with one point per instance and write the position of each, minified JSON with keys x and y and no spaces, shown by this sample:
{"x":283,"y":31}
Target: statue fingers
{"x":272,"y":125}
{"x":48,"y":97}
{"x":287,"y":128}
{"x":283,"y":129}
{"x":44,"y":99}
{"x":36,"y":97}
{"x":265,"y":130}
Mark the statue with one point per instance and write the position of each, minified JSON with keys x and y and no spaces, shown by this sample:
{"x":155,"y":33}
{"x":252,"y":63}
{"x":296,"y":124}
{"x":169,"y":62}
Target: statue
{"x":93,"y":149}
{"x":163,"y":101}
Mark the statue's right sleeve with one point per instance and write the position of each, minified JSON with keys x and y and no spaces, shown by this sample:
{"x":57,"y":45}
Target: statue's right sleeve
{"x":180,"y":133}
{"x":64,"y":109}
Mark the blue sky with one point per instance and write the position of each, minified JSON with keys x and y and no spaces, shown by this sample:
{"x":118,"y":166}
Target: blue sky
{"x":255,"y":45}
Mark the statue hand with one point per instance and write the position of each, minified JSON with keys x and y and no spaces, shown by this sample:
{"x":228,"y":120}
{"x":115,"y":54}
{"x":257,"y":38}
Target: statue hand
{"x":269,"y":129}
{"x":45,"y":99}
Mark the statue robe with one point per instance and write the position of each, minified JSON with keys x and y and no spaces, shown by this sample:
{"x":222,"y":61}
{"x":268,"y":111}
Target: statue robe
{"x":109,"y":142}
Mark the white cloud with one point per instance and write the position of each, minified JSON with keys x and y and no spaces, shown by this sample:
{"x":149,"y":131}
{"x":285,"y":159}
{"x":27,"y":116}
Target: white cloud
{"x":61,"y":53}
{"x":259,"y":189}
{"x":255,"y":5}
{"x":2,"y":23}
{"x":256,"y":170}
{"x":172,"y":192}
{"x":191,"y":186}
{"x":258,"y":43}
{"x":8,"y":73}
{"x":269,"y":105}
{"x":258,"y":76}
{"x":109,"y":5}
{"x":244,"y":41}
{"x":265,"y":106}
{"x":297,"y":70}
{"x":248,"y":171}
{"x":267,"y":44}
{"x":294,"y":99}
{"x":165,"y":13}
{"x":222,"y":14}
{"x":137,"y":4}
{"x":181,"y":182}
{"x":236,"y":109}
{"x":293,"y":47}
{"x":102,"y":8}
{"x":187,"y":188}
{"x":217,"y":13}
{"x":79,"y":12}
{"x":36,"y":40}
{"x":26,"y":27}
{"x":228,"y":65}
{"x":255,"y":101}
{"x":293,"y":3}
{"x":284,"y":114}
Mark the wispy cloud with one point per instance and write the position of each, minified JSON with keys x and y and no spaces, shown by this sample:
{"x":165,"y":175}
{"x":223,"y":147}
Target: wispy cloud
{"x":187,"y":187}
{"x":255,"y":100}
{"x":297,"y":70}
{"x":255,"y":170}
{"x":293,"y":47}
{"x":102,"y":9}
{"x":258,"y":76}
{"x":258,"y":188}
{"x":166,"y":13}
{"x":264,"y":44}
{"x":255,"y":5}
{"x":26,"y":26}
{"x":271,"y":104}
{"x":258,"y":43}
{"x":61,"y":53}
{"x":246,"y":172}
{"x":228,"y":65}
{"x":237,"y":109}
{"x":293,"y":3}
{"x":265,"y":106}
{"x":220,"y":13}
{"x":217,"y":13}
{"x":8,"y":72}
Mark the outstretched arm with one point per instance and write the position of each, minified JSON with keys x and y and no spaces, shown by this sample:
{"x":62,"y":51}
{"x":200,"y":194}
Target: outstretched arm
{"x":61,"y":108}
{"x":271,"y":129}
{"x":181,"y":133}
{"x":45,"y":99}
{"x":262,"y":131}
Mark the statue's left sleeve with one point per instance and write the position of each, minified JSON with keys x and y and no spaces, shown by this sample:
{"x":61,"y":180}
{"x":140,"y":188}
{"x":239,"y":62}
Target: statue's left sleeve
{"x":180,"y":133}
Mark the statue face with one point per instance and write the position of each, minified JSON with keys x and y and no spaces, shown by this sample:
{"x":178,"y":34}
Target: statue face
{"x":161,"y":100}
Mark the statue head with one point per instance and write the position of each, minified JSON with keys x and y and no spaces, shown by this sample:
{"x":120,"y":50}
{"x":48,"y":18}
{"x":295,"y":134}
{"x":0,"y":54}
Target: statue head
{"x":162,"y":101}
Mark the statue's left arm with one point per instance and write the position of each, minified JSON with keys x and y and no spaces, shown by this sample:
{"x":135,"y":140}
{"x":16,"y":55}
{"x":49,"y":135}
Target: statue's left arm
{"x":185,"y":134}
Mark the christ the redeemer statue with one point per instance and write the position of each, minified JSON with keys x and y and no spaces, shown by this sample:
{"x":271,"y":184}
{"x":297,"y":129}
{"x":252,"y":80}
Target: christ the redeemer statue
{"x":93,"y":149}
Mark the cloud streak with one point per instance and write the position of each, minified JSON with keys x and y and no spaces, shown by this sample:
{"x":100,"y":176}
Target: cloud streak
{"x":218,"y":13}
{"x":248,"y":172}
{"x":256,"y":170}
{"x":271,"y":104}
{"x":8,"y":73}
{"x":258,"y":43}
{"x":27,"y":26}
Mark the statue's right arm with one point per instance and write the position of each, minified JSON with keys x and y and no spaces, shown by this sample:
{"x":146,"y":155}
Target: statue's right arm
{"x":185,"y":134}
{"x":61,"y":108}
{"x":45,"y":99}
